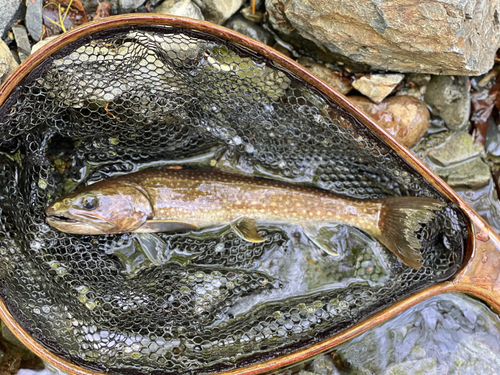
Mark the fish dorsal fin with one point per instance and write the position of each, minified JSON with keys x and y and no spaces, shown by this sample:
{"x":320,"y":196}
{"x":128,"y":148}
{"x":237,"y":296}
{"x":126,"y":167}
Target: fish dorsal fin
{"x":155,"y":226}
{"x":246,"y":228}
{"x":321,"y":236}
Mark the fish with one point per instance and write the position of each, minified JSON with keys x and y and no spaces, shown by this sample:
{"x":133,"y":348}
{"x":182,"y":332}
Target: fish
{"x":178,"y":200}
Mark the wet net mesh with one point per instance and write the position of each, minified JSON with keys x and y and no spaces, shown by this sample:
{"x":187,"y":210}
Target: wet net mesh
{"x":120,"y":100}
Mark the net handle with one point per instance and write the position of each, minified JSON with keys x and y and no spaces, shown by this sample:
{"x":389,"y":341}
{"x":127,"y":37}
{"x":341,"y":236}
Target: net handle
{"x":479,"y":275}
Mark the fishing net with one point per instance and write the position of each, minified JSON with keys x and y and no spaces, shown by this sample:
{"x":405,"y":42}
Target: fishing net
{"x":117,"y":101}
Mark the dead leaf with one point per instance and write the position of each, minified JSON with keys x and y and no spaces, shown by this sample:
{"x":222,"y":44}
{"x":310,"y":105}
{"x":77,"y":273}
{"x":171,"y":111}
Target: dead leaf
{"x":56,"y":13}
{"x":103,"y":10}
{"x":483,"y":103}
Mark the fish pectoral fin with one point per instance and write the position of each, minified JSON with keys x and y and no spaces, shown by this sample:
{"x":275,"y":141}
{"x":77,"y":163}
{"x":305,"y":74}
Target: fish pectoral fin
{"x":154,"y":247}
{"x":320,"y":236}
{"x":247,"y":229}
{"x":155,"y":226}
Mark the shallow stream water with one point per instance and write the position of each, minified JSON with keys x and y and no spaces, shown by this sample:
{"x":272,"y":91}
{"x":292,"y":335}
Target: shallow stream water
{"x":446,"y":334}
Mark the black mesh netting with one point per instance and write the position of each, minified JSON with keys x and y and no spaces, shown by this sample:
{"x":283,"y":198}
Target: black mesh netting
{"x":120,"y":100}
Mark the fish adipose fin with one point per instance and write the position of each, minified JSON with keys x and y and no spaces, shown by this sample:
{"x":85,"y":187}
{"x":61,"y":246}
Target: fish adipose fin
{"x":400,"y":220}
{"x":320,"y":236}
{"x":155,"y":226}
{"x":247,"y":229}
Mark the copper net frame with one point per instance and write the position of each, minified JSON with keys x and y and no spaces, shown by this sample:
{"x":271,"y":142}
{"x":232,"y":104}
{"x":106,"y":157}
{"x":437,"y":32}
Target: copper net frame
{"x":480,"y":272}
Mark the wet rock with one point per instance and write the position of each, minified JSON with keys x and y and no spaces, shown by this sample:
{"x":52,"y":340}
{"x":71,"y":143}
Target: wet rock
{"x":335,"y":79}
{"x":256,"y":17}
{"x":475,"y":357}
{"x":11,"y":12}
{"x":284,"y":50}
{"x":417,"y":367}
{"x":418,"y":79}
{"x":90,"y":6}
{"x":404,"y":117}
{"x":183,"y":8}
{"x":430,"y":142}
{"x":219,"y":11}
{"x":41,"y":43}
{"x":415,"y":85}
{"x":377,"y":86}
{"x":323,"y":366}
{"x":455,"y":159}
{"x":459,"y":147}
{"x":449,"y":98}
{"x":34,"y":20}
{"x":248,"y":28}
{"x":9,"y":337}
{"x":452,"y":37}
{"x":7,"y":62}
{"x":492,"y":144}
{"x":127,"y":6}
{"x":16,"y":355}
{"x":22,"y":41}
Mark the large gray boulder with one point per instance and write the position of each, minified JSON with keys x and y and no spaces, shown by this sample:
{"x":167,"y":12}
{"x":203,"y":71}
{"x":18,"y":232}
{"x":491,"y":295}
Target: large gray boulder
{"x":435,"y":36}
{"x":11,"y":12}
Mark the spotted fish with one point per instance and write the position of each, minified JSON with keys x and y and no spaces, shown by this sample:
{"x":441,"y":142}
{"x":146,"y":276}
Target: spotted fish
{"x":173,"y":200}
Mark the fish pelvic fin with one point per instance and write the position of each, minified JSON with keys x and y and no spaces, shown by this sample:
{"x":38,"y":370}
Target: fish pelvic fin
{"x":247,"y":229}
{"x":320,"y":236}
{"x":401,"y":218}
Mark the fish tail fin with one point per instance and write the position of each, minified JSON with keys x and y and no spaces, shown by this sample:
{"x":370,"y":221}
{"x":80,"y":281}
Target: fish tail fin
{"x":400,"y":220}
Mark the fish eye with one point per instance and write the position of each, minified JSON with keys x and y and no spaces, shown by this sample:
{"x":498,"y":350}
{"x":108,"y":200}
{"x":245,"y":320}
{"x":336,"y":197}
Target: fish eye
{"x":90,"y":202}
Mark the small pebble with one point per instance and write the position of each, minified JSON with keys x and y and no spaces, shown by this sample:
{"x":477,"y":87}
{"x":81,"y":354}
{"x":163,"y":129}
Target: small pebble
{"x":377,"y":86}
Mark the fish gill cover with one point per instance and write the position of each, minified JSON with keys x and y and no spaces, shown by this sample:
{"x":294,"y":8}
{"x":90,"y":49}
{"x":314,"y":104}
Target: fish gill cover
{"x":127,"y":99}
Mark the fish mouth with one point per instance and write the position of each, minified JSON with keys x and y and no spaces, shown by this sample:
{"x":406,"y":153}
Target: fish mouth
{"x":74,"y":226}
{"x":61,"y":219}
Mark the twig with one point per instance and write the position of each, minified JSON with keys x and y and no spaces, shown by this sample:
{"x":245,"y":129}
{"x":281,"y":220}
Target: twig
{"x":109,"y":113}
{"x":61,"y":18}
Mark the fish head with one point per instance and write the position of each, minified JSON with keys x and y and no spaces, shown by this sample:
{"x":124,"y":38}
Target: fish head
{"x":100,"y":210}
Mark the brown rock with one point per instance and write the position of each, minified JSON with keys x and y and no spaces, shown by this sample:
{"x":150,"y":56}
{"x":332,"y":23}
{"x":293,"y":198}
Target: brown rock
{"x":404,"y":117}
{"x":435,"y":36}
{"x":333,"y":78}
